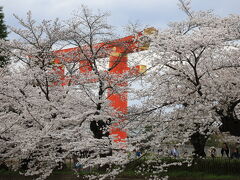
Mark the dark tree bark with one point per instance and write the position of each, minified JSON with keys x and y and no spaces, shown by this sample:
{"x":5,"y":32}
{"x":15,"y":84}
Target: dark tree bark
{"x":98,"y":129}
{"x":230,"y":121}
{"x":198,"y":141}
{"x":230,"y":124}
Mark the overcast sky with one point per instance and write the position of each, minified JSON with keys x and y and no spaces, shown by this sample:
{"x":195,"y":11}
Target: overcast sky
{"x":156,"y":13}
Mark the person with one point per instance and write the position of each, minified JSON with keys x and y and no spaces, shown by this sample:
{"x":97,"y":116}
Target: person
{"x":213,"y":152}
{"x":174,"y":151}
{"x":138,"y":153}
{"x":160,"y":152}
{"x":185,"y":154}
{"x":78,"y":165}
{"x":225,"y":149}
{"x":235,"y":153}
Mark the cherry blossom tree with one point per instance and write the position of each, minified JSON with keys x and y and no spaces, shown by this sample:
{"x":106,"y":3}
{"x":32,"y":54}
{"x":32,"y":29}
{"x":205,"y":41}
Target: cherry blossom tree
{"x":47,"y":116}
{"x":195,"y":76}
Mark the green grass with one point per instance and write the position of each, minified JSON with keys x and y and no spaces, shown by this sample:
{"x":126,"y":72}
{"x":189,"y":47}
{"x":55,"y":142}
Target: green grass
{"x":201,"y":175}
{"x":204,"y":169}
{"x":8,"y":172}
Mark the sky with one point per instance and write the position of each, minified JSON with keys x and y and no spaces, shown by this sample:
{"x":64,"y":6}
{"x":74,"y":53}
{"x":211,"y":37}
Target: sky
{"x":157,"y":13}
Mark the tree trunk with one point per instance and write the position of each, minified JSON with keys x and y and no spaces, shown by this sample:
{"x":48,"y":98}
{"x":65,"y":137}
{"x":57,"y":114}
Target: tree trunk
{"x":99,"y":129}
{"x":230,"y":125}
{"x":229,"y":119}
{"x":198,"y":141}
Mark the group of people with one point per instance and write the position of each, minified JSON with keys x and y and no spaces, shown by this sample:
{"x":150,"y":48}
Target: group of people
{"x":225,"y":151}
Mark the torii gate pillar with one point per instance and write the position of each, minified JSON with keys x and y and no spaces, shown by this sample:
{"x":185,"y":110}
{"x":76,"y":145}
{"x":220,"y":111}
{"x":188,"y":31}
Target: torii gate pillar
{"x":118,"y":100}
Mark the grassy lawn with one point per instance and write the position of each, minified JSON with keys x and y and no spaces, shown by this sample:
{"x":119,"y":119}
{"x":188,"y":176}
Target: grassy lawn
{"x":200,"y":176}
{"x":205,"y":169}
{"x":187,"y":175}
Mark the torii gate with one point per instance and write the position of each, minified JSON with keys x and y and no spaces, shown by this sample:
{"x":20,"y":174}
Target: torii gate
{"x":118,"y":101}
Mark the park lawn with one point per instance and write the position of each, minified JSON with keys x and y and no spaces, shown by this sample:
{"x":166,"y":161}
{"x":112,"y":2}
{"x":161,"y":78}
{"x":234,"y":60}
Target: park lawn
{"x":193,"y":175}
{"x":186,"y":175}
{"x":205,"y":169}
{"x":173,"y":175}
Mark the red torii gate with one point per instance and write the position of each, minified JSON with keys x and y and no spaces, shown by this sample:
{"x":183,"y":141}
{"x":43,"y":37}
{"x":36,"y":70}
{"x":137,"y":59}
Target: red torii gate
{"x":120,"y":48}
